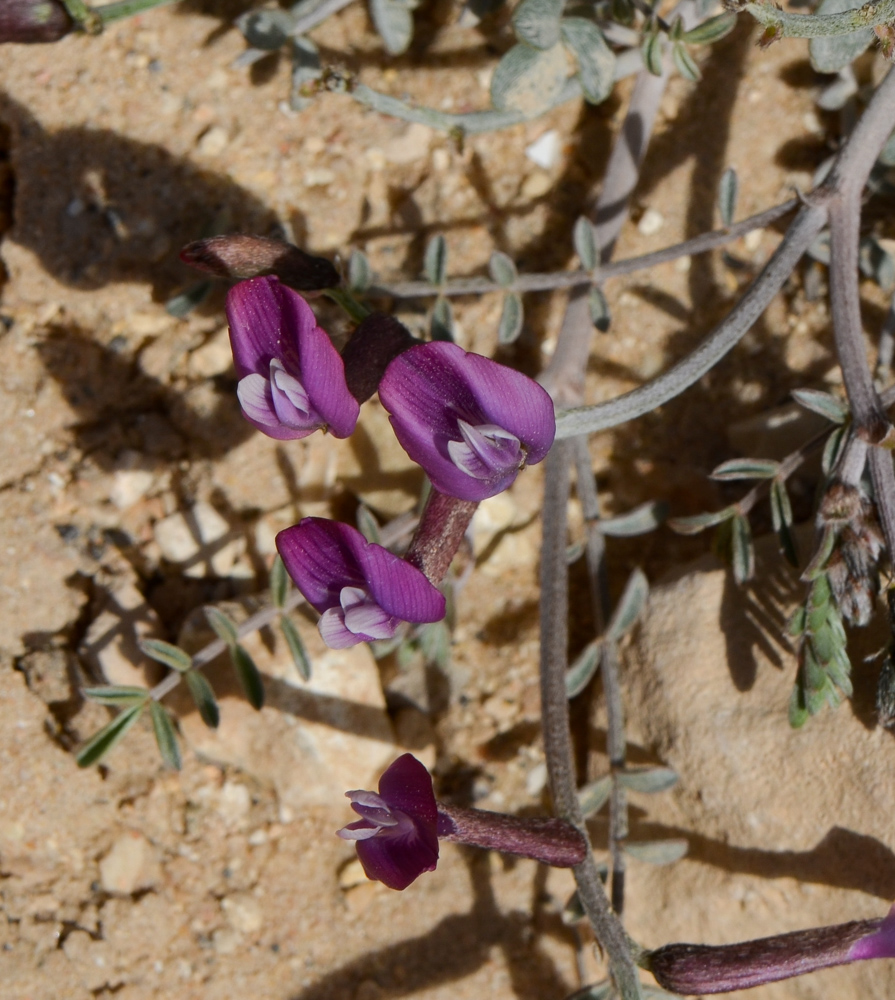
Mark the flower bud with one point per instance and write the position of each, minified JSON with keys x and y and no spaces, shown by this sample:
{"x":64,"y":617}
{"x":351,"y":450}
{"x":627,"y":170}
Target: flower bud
{"x":33,"y":21}
{"x":238,"y":256}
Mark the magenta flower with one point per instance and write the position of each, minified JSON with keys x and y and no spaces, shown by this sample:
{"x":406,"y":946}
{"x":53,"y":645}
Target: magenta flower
{"x":291,"y":378}
{"x":396,"y":835}
{"x":362,"y":591}
{"x":471,"y":423}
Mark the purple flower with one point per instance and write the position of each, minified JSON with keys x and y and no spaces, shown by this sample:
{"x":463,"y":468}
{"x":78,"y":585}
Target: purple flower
{"x":362,"y":591}
{"x":880,"y":944}
{"x":396,"y":834}
{"x":471,"y":423}
{"x":291,"y":378}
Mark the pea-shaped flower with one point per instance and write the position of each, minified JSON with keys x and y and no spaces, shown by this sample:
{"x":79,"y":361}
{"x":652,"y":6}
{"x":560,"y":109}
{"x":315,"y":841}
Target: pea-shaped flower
{"x":362,"y":590}
{"x":397,"y":838}
{"x":291,"y":378}
{"x":470,"y":422}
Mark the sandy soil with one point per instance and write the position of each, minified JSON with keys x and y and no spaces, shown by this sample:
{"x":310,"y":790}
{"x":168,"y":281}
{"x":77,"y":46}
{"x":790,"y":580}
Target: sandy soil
{"x":225,"y":879}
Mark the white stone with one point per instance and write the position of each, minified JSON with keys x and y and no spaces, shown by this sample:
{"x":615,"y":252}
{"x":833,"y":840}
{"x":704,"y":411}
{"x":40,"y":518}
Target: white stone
{"x":544,"y":151}
{"x":130,"y":865}
{"x":409,"y":147}
{"x":651,"y":222}
{"x":195,"y":539}
{"x":111,"y":645}
{"x":311,"y":742}
{"x":243,"y":912}
{"x":536,"y":185}
{"x":214,"y":357}
{"x":214,"y":141}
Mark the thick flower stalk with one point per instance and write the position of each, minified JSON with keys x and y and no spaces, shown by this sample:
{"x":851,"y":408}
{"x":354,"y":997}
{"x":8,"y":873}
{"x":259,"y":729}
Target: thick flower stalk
{"x":398,"y":832}
{"x":691,"y":968}
{"x":470,"y":422}
{"x":291,"y":378}
{"x":362,"y":591}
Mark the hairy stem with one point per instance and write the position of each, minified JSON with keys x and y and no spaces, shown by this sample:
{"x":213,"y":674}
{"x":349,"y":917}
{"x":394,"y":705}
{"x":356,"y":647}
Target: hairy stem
{"x":555,"y":715}
{"x":785,"y":25}
{"x":574,"y":279}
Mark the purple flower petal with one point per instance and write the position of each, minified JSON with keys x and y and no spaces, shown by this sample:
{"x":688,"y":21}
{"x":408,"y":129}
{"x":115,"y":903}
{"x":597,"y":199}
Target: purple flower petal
{"x":362,"y":590}
{"x":432,"y":390}
{"x":274,"y":335}
{"x":880,"y":944}
{"x":405,"y":843}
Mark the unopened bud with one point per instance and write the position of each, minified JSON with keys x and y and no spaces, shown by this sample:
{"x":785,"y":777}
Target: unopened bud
{"x":33,"y":21}
{"x":238,"y":257}
{"x":377,"y":341}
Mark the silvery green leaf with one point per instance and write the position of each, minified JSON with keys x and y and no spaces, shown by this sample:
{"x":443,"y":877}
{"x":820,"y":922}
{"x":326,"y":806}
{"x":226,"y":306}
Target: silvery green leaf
{"x":537,"y":22}
{"x":887,"y":156}
{"x":585,"y":242}
{"x":573,"y":911}
{"x":579,"y":674}
{"x":593,"y":796}
{"x":648,"y":780}
{"x":656,"y":852}
{"x":599,"y":309}
{"x":511,"y":318}
{"x":528,"y":80}
{"x":710,"y":30}
{"x":652,"y":50}
{"x":876,"y":263}
{"x":727,"y":196}
{"x":746,"y":468}
{"x":120,"y":696}
{"x":183,"y":304}
{"x":165,"y":735}
{"x":598,"y":991}
{"x":833,"y":449}
{"x":394,"y":23}
{"x":824,"y":403}
{"x":203,"y":696}
{"x":781,"y":515}
{"x":830,"y":53}
{"x":835,"y":96}
{"x":685,"y":63}
{"x":167,"y":653}
{"x":279,"y":582}
{"x":306,"y":68}
{"x":93,"y":751}
{"x":575,"y":551}
{"x":435,"y":642}
{"x":268,"y":29}
{"x":640,"y":520}
{"x":629,"y":606}
{"x":741,"y":552}
{"x":502,"y":269}
{"x":596,"y":61}
{"x":223,"y":627}
{"x":441,"y":325}
{"x":367,"y":524}
{"x":360,"y":274}
{"x":820,"y":248}
{"x":435,"y":260}
{"x":248,"y":675}
{"x":798,"y":711}
{"x":781,"y":509}
{"x":699,"y":522}
{"x":297,"y":648}
{"x":249,"y":57}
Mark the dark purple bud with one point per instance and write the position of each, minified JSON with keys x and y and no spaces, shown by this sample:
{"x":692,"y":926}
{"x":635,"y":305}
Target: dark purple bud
{"x":33,"y":21}
{"x":362,"y":591}
{"x":238,"y":256}
{"x":470,"y":422}
{"x":291,"y":378}
{"x":396,"y":834}
{"x":700,"y":969}
{"x":376,"y":342}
